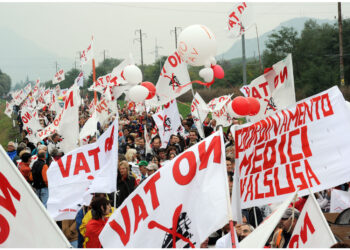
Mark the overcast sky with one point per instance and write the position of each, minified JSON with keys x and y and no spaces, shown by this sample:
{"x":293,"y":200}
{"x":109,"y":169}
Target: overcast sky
{"x":66,"y":28}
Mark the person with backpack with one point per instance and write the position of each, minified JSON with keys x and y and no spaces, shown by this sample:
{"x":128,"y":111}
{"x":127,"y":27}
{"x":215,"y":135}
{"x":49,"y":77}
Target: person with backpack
{"x":39,"y":177}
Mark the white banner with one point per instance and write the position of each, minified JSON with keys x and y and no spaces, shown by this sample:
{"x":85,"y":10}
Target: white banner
{"x":220,"y":111}
{"x":304,"y":146}
{"x":86,"y":170}
{"x":79,"y":80}
{"x":173,"y":75}
{"x":185,"y":200}
{"x":87,"y":54}
{"x":311,"y":230}
{"x":240,"y":19}
{"x":8,"y":109}
{"x":199,"y":112}
{"x":69,"y":125}
{"x":19,"y":96}
{"x":259,"y":237}
{"x":168,"y":122}
{"x":90,"y":127}
{"x":59,"y":77}
{"x":340,"y":200}
{"x":274,"y":89}
{"x":30,"y":120}
{"x":28,"y":88}
{"x":24,"y":222}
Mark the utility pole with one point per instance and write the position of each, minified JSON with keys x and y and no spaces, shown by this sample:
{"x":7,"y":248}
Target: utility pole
{"x":341,"y":62}
{"x":140,"y":40}
{"x":175,"y":30}
{"x":56,"y":67}
{"x":156,"y":55}
{"x":104,"y":54}
{"x":244,"y":61}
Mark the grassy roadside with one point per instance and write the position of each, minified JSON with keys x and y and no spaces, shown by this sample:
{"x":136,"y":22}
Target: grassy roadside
{"x":7,"y":131}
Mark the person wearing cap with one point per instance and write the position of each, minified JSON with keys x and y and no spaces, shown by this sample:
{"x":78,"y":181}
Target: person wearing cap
{"x":11,"y":150}
{"x":288,"y":221}
{"x":151,"y":168}
{"x":142,"y":166}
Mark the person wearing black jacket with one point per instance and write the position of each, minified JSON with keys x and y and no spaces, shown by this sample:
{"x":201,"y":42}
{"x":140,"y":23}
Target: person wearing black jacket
{"x":126,"y":183}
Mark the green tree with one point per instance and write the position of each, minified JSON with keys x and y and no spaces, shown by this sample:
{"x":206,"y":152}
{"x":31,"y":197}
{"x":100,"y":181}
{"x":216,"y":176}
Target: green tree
{"x":5,"y":83}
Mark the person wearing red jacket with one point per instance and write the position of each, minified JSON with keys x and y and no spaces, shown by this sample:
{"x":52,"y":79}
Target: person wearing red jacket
{"x":100,"y":208}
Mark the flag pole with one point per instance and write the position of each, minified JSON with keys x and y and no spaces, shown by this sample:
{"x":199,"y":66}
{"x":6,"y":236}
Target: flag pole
{"x":197,"y":112}
{"x":94,"y":79}
{"x":229,"y":208}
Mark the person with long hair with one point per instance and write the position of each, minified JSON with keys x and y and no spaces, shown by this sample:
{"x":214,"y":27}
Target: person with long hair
{"x":100,"y":208}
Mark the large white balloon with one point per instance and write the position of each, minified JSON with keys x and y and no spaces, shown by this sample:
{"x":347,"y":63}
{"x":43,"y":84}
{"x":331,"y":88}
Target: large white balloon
{"x":132,"y":74}
{"x":207,"y":74}
{"x":138,"y":93}
{"x":197,"y":45}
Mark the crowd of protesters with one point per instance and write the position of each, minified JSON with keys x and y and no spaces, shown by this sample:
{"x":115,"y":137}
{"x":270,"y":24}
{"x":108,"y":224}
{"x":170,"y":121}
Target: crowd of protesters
{"x":135,"y":164}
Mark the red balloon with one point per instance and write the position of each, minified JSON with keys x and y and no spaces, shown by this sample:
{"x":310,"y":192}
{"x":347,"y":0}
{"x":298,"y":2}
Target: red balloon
{"x":254,"y":106}
{"x":218,"y":71}
{"x":240,"y":106}
{"x":151,"y":89}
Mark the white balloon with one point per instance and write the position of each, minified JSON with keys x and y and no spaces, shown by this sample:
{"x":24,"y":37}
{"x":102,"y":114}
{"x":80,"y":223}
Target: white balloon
{"x":212,"y":60}
{"x":207,"y":74}
{"x":132,"y":74}
{"x":196,"y":45}
{"x":138,"y":93}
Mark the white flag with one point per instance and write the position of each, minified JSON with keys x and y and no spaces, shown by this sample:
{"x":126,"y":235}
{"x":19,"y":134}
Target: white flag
{"x":178,"y":206}
{"x":8,"y":109}
{"x":173,"y":75}
{"x":87,"y":54}
{"x":59,"y":77}
{"x":69,"y":125}
{"x":86,"y":170}
{"x":24,"y":222}
{"x":199,"y":111}
{"x":90,"y":127}
{"x":240,"y":19}
{"x":220,"y":110}
{"x":79,"y":80}
{"x":340,"y":200}
{"x":30,"y":120}
{"x":168,"y":122}
{"x":311,"y":230}
{"x":274,"y":89}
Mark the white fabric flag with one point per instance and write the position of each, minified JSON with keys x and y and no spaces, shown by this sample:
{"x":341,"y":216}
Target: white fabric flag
{"x":8,"y":109}
{"x":148,"y":147}
{"x":90,"y":127}
{"x":220,"y":109}
{"x":86,"y":170}
{"x":168,"y":122}
{"x":28,"y":88}
{"x":259,"y":237}
{"x":69,"y":125}
{"x":340,"y":200}
{"x":173,"y":75}
{"x":30,"y":120}
{"x":24,"y":222}
{"x":312,"y":229}
{"x":87,"y":54}
{"x":59,"y":77}
{"x":303,"y":146}
{"x":19,"y":96}
{"x":199,"y":111}
{"x":240,"y":19}
{"x":186,"y":199}
{"x":79,"y":80}
{"x":274,"y":89}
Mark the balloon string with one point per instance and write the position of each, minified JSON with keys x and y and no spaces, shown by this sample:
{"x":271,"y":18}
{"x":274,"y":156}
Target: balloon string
{"x":207,"y":84}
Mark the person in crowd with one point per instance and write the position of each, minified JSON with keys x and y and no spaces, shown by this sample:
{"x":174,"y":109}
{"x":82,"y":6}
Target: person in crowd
{"x":193,"y":138}
{"x":230,"y":164}
{"x":126,"y":183}
{"x":151,"y":168}
{"x":131,"y":156}
{"x":143,"y":170}
{"x":24,"y":165}
{"x":100,"y":208}
{"x":174,"y":142}
{"x":282,"y":235}
{"x":39,"y":177}
{"x":54,"y":143}
{"x":11,"y":150}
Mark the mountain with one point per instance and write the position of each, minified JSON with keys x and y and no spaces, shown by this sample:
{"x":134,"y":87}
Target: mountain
{"x":21,"y":57}
{"x":251,"y":46}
